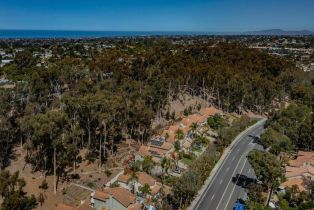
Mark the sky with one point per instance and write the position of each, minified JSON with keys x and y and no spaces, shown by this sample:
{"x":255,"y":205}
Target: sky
{"x":157,"y":15}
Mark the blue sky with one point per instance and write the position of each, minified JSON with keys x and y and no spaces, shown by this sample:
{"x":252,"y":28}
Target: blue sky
{"x":156,"y":15}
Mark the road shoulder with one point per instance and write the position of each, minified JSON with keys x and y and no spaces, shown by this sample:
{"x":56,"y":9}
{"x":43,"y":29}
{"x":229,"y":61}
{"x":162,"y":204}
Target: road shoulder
{"x":225,"y":154}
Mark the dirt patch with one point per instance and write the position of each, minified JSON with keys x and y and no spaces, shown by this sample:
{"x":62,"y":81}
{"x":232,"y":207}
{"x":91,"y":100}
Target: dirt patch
{"x":34,"y":180}
{"x":182,"y":102}
{"x":89,"y":174}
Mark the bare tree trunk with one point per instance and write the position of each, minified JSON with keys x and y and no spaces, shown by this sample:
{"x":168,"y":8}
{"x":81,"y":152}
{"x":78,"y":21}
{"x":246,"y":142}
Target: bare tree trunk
{"x":74,"y":167}
{"x":89,"y":132}
{"x":100,"y":144}
{"x":54,"y":170}
{"x":105,"y":139}
{"x":112,"y":146}
{"x":269,"y":195}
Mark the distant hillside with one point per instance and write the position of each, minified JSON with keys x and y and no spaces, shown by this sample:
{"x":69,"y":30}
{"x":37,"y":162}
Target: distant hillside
{"x":279,"y":32}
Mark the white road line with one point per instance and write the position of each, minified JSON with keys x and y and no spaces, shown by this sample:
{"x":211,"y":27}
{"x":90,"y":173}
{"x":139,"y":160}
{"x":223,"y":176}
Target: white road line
{"x":245,"y":160}
{"x":221,"y":166}
{"x":235,"y":185}
{"x":233,"y":158}
{"x":215,"y":175}
{"x":220,"y":182}
{"x":212,"y":197}
{"x":228,"y":168}
{"x":222,"y":197}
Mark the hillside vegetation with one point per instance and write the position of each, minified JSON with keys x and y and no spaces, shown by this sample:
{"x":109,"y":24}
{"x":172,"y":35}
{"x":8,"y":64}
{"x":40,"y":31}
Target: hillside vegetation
{"x":97,"y":100}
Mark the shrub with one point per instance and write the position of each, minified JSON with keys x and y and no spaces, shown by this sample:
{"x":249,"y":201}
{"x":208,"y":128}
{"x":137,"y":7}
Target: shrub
{"x":43,"y":185}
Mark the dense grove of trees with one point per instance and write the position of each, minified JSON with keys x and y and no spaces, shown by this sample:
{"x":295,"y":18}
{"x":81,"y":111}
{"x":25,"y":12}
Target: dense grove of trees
{"x":11,"y":191}
{"x":288,"y":130}
{"x":186,"y":187}
{"x":95,"y":100}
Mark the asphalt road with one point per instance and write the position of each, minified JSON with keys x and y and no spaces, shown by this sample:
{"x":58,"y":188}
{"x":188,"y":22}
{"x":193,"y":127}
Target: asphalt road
{"x":226,"y":186}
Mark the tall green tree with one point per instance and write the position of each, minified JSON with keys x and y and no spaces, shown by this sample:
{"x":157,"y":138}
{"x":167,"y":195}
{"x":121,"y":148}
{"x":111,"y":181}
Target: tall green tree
{"x":11,"y":191}
{"x":47,"y":144}
{"x":267,"y":169}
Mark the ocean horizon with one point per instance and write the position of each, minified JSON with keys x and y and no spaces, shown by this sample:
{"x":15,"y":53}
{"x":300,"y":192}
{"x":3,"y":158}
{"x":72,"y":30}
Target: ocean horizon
{"x":7,"y":34}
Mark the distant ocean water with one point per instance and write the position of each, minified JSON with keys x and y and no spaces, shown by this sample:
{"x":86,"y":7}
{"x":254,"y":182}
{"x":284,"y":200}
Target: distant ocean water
{"x":4,"y":34}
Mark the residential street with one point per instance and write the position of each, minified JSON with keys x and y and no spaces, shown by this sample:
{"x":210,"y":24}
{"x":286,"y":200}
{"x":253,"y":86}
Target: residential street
{"x":222,"y":191}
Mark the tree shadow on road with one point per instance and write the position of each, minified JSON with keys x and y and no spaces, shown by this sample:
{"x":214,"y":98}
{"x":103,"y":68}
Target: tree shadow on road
{"x":256,"y":139}
{"x":243,"y":180}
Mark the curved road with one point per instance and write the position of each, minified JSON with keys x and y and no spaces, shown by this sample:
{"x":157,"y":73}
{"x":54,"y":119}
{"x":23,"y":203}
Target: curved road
{"x":222,"y":191}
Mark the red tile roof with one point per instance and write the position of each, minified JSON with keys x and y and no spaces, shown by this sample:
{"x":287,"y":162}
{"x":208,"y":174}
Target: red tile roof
{"x":299,"y":171}
{"x":62,"y":206}
{"x":299,"y":182}
{"x":84,"y":206}
{"x":125,"y":197}
{"x":136,"y":206}
{"x":124,"y":178}
{"x":144,"y":178}
{"x":99,"y":195}
{"x":155,"y":189}
{"x":304,"y":158}
{"x":143,"y":151}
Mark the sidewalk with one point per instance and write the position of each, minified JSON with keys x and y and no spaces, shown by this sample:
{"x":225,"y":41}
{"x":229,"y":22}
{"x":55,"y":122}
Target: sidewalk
{"x":218,"y":164}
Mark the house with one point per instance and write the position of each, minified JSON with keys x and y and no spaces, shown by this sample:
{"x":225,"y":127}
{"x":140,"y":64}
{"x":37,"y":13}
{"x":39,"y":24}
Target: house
{"x":114,"y":179}
{"x":303,"y":159}
{"x":186,"y":144}
{"x":142,"y":179}
{"x":155,"y":149}
{"x":83,"y":206}
{"x":300,"y":171}
{"x":163,"y":146}
{"x":117,"y":198}
{"x":302,"y":183}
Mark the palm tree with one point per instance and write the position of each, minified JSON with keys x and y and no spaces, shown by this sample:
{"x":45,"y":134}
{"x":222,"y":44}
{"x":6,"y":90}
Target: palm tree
{"x":145,"y":190}
{"x":179,"y":134}
{"x":133,"y":178}
{"x":165,"y":164}
{"x":147,"y":164}
{"x":193,"y":127}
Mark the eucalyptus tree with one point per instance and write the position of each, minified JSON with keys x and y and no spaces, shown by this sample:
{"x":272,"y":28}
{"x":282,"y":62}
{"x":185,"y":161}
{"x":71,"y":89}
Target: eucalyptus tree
{"x":47,"y":146}
{"x":267,"y":169}
{"x":12,"y":194}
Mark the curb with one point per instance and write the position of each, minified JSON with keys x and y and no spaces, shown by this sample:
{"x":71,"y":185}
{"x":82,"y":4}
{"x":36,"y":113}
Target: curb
{"x":225,"y":153}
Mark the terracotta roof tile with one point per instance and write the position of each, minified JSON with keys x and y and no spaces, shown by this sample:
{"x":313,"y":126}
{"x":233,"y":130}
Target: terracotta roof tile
{"x":124,"y":178}
{"x":99,"y":195}
{"x":125,"y":197}
{"x":143,"y":151}
{"x":155,"y":189}
{"x":296,"y":181}
{"x":136,"y":206}
{"x":303,"y":159}
{"x":144,"y":178}
{"x":298,"y":171}
{"x":84,"y":206}
{"x":62,"y":206}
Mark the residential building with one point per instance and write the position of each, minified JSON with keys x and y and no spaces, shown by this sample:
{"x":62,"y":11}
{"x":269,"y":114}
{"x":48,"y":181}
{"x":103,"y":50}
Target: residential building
{"x":83,"y":206}
{"x":117,"y":198}
{"x":300,"y":171}
{"x":142,"y":179}
{"x":163,"y":146}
